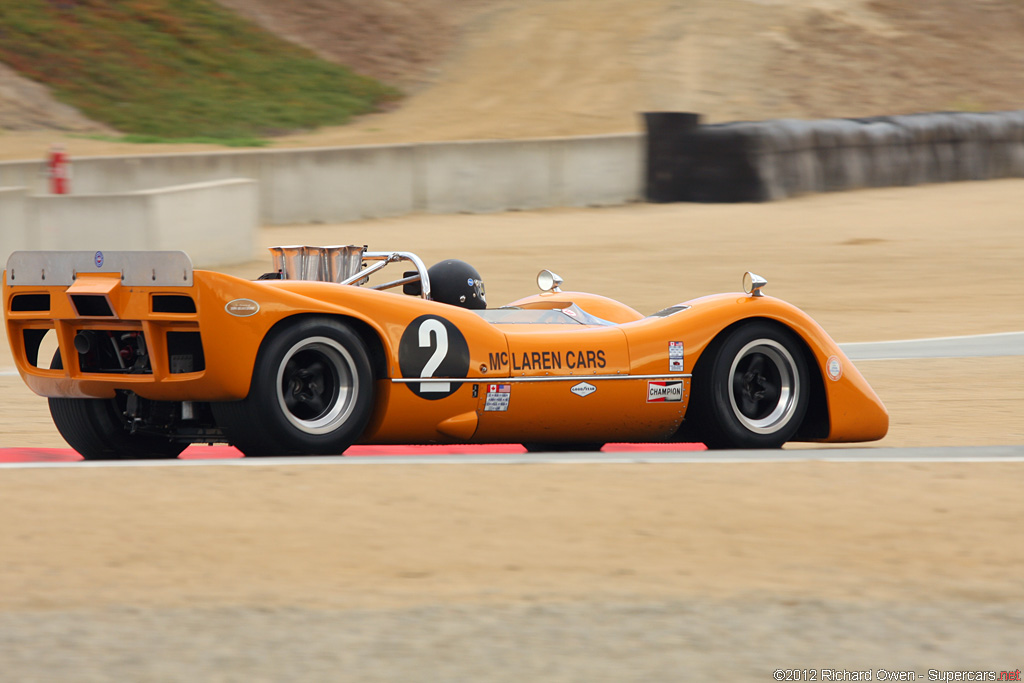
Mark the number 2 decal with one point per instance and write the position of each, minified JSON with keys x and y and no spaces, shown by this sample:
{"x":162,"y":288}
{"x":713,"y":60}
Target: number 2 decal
{"x":433,"y":326}
{"x":433,"y":349}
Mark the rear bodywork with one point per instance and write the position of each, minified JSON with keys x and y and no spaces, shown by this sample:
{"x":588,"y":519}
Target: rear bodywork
{"x":559,"y":366}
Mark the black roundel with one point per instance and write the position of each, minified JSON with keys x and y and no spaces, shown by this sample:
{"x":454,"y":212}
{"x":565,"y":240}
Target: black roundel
{"x":433,"y":347}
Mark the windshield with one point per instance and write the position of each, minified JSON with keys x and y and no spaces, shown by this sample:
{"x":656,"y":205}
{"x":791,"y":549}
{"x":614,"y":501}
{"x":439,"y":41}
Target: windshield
{"x":571,"y":315}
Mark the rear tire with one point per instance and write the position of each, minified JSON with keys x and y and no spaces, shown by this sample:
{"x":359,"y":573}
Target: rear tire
{"x":311,"y":393}
{"x":95,"y":427}
{"x":754,"y":389}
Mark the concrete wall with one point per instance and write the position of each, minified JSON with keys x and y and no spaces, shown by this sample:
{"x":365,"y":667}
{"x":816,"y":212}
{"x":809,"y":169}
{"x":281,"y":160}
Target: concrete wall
{"x":485,"y":176}
{"x":350,"y":183}
{"x":14,"y":223}
{"x":215,"y":222}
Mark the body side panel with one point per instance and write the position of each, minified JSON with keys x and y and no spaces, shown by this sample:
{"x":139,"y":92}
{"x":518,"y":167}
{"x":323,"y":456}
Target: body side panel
{"x":856,"y":413}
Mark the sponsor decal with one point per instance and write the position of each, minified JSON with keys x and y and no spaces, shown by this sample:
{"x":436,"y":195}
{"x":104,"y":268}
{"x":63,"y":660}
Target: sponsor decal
{"x":675,"y":356}
{"x":670,"y":391}
{"x":242,"y":308}
{"x":583,"y":389}
{"x":98,"y":259}
{"x":583,"y":359}
{"x":498,"y":397}
{"x":834,"y":368}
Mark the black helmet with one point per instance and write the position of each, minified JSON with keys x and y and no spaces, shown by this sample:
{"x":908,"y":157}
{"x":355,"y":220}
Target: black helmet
{"x":457,"y":283}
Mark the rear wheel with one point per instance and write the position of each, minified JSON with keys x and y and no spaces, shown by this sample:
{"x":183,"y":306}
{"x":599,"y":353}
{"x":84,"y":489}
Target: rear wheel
{"x":754,"y":391}
{"x":98,"y":430}
{"x":311,"y":393}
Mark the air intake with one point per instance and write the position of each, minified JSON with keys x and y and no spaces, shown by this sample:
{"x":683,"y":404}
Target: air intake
{"x":173,"y":303}
{"x":92,"y":306}
{"x":25,"y":303}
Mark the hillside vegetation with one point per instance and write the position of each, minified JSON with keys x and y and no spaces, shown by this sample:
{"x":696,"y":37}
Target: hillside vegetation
{"x":505,"y":69}
{"x":178,"y":68}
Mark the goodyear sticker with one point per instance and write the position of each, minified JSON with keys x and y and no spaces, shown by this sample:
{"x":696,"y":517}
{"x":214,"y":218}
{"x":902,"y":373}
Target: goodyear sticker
{"x":583,"y":389}
{"x":498,"y":397}
{"x":675,"y":356}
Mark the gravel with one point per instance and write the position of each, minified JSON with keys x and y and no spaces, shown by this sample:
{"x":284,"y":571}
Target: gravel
{"x":695,"y":641}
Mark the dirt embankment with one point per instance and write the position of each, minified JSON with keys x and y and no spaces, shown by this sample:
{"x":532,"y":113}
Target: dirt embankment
{"x":502,"y":69}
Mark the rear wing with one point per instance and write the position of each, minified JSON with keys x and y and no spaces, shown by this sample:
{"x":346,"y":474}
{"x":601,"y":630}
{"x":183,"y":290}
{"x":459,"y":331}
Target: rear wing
{"x":62,"y":268}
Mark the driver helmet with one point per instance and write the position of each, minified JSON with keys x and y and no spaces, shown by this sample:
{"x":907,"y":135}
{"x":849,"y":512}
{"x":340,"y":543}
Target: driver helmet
{"x":457,"y":283}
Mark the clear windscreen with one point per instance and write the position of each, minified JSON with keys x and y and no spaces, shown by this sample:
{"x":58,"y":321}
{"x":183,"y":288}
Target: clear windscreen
{"x":571,"y":315}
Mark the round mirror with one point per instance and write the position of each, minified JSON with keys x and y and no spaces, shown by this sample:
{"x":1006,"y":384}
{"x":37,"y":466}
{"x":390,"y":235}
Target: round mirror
{"x":752,"y":283}
{"x":548,"y":281}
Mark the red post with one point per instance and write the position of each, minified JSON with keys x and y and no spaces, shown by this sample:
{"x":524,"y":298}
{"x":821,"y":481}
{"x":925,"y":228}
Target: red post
{"x":59,"y":171}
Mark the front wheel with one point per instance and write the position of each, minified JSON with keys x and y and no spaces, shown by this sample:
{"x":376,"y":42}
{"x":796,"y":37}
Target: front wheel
{"x":311,"y":393}
{"x":754,"y":391}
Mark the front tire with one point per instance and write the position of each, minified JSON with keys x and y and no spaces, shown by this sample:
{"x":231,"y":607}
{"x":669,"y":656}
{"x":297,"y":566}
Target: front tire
{"x":754,"y":390}
{"x":311,"y":393}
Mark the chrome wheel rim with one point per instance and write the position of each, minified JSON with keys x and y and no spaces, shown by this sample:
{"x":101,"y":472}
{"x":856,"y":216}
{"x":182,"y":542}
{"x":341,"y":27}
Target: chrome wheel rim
{"x":317,"y":385}
{"x":764,"y":386}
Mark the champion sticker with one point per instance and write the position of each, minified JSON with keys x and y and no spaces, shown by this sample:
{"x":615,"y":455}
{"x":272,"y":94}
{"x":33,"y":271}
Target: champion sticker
{"x":834,"y":368}
{"x":498,"y":397}
{"x":675,"y":356}
{"x":665,"y":392}
{"x":583,"y":389}
{"x":98,"y":259}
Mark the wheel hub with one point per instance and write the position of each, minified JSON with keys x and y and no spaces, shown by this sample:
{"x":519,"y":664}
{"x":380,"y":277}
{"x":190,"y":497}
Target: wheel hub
{"x":316,"y":385}
{"x":765,"y":389}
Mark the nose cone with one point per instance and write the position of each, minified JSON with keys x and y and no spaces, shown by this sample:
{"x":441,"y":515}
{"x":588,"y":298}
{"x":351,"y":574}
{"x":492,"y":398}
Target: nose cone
{"x":855,"y":410}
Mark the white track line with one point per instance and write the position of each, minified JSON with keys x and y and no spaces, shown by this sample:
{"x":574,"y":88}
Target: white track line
{"x":966,"y":346}
{"x":959,"y":454}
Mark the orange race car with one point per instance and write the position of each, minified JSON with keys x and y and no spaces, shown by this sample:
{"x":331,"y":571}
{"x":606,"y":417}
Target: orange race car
{"x":149,"y":355}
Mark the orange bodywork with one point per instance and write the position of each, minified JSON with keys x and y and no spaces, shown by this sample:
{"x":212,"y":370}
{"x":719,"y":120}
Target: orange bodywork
{"x":525,"y":382}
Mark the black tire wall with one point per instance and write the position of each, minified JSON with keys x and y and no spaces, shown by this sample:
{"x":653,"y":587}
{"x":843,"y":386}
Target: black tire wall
{"x":759,"y":161}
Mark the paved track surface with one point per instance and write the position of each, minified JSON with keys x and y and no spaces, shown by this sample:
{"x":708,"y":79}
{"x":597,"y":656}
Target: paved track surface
{"x":973,"y":346}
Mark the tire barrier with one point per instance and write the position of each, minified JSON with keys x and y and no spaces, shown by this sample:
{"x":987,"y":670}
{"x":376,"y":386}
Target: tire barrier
{"x":757,"y":161}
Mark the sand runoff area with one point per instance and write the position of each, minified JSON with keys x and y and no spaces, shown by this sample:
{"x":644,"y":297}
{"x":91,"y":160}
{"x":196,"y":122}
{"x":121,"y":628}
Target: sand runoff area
{"x":573,"y":572}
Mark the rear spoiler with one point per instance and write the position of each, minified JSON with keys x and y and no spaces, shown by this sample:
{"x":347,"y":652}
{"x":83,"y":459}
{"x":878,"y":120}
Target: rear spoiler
{"x":62,"y":268}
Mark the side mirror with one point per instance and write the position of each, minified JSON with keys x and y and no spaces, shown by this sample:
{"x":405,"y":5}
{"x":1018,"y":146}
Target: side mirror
{"x":752,"y":284}
{"x":548,"y":281}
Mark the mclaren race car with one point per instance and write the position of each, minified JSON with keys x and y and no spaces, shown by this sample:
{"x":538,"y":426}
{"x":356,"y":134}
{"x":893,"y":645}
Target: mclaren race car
{"x":140,"y":355}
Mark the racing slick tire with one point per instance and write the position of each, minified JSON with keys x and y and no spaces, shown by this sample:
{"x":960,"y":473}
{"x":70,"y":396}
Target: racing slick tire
{"x":95,"y":427}
{"x":311,"y":393}
{"x":754,"y":391}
